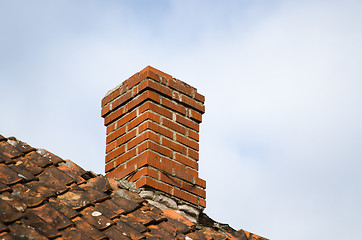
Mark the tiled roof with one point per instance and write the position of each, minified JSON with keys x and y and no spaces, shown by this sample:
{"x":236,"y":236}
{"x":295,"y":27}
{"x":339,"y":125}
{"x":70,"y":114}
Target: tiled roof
{"x":45,"y":197}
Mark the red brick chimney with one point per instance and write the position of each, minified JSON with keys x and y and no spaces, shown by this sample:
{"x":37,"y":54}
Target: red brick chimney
{"x":152,"y":138}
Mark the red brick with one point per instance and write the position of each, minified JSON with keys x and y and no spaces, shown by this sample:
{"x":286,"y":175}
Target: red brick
{"x":187,"y":161}
{"x":174,"y":126}
{"x":150,"y":182}
{"x":155,"y":147}
{"x":116,"y":134}
{"x":195,"y":116}
{"x":202,"y":202}
{"x":115,"y":153}
{"x":170,"y":180}
{"x":193,"y":154}
{"x":110,"y":146}
{"x":133,"y":80}
{"x":148,"y":125}
{"x":185,"y":196}
{"x":114,"y":115}
{"x":187,"y":122}
{"x":143,"y":117}
{"x":199,"y":97}
{"x":186,"y":141}
{"x":146,"y":135}
{"x":111,"y":128}
{"x":173,"y":106}
{"x":201,"y":182}
{"x":192,"y":134}
{"x":143,"y":97}
{"x":126,"y":156}
{"x":174,"y":146}
{"x":181,"y":86}
{"x":193,"y":189}
{"x":126,"y":118}
{"x":193,"y":103}
{"x":105,"y":110}
{"x":156,"y":71}
{"x":115,"y":173}
{"x":125,"y":138}
{"x":150,"y":84}
{"x":144,"y":171}
{"x":121,"y":100}
{"x":110,"y":166}
{"x":192,"y":172}
{"x":156,"y":108}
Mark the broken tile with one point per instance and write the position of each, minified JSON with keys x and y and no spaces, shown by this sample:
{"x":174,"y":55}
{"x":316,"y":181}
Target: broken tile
{"x":75,"y":198}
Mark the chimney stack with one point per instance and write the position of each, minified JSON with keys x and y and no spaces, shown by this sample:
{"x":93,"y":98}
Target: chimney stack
{"x":152,"y":138}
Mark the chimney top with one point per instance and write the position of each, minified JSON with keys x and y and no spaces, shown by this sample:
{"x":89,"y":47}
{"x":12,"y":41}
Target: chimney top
{"x":152,"y":122}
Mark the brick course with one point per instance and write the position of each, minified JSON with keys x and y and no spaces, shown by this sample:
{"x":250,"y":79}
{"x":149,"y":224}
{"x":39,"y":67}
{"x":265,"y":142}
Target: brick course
{"x":152,"y":132}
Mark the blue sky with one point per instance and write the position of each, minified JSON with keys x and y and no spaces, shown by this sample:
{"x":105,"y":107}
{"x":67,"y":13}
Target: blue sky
{"x":280,"y":143}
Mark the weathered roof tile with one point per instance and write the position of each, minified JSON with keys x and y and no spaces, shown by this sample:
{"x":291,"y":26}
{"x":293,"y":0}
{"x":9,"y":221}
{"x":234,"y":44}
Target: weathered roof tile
{"x":9,"y":150}
{"x":8,"y":176}
{"x":88,"y":229}
{"x":96,"y":218}
{"x":8,"y":214}
{"x":116,"y":233}
{"x":41,"y":226}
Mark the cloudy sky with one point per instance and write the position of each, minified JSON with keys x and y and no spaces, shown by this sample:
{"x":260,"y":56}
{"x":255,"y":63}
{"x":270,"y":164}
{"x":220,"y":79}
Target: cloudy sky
{"x":281,"y":138}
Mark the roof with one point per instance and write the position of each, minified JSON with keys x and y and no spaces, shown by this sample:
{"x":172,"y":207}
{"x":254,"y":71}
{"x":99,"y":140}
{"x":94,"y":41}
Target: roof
{"x":45,"y":197}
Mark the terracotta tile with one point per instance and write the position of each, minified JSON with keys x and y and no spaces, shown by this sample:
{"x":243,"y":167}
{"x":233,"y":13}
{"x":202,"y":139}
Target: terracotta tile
{"x":75,"y":198}
{"x":88,"y":229}
{"x":29,"y":165}
{"x":3,"y":187}
{"x":169,"y":213}
{"x":8,"y":176}
{"x":127,"y":205}
{"x":22,"y":172}
{"x":40,"y":225}
{"x":61,"y":207}
{"x":179,"y":227}
{"x":213,"y":234}
{"x":143,"y":217}
{"x":5,"y":159}
{"x":99,"y":183}
{"x":72,"y":170}
{"x":73,"y":233}
{"x":115,"y":233}
{"x":2,"y":138}
{"x":7,"y":236}
{"x":25,"y":232}
{"x":197,"y":235}
{"x":38,"y":159}
{"x":156,"y":231}
{"x":94,"y":195}
{"x":110,"y":204}
{"x":134,"y":224}
{"x":3,"y":227}
{"x":41,"y":191}
{"x":29,"y":197}
{"x":55,"y":179}
{"x":13,"y":201}
{"x":9,"y":150}
{"x":106,"y":210}
{"x":131,"y":232}
{"x":50,"y":157}
{"x":96,"y":218}
{"x":20,"y":146}
{"x":52,"y":216}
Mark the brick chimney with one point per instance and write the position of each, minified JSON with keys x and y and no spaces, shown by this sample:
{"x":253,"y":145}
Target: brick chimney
{"x":152,"y":138}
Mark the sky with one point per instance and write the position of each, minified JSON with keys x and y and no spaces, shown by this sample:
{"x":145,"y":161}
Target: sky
{"x":280,"y":142}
